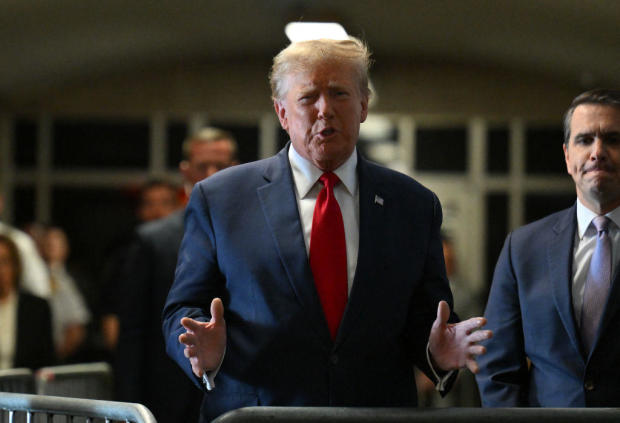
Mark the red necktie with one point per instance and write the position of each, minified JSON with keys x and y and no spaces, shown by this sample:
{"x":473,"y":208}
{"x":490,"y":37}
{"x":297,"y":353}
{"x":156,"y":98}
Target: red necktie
{"x":328,"y":253}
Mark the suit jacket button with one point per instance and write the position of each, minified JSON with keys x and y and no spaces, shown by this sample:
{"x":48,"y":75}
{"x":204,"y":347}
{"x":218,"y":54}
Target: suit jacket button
{"x":333,"y":359}
{"x":589,"y":385}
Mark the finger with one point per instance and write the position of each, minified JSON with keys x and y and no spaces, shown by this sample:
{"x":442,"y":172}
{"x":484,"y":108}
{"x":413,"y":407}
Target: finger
{"x":196,"y":369}
{"x":217,"y":311}
{"x":472,"y":365}
{"x":477,"y":350}
{"x":480,"y":335}
{"x":190,"y":324}
{"x":472,"y":324}
{"x":187,"y":338}
{"x":443,"y":313}
{"x":190,"y":351}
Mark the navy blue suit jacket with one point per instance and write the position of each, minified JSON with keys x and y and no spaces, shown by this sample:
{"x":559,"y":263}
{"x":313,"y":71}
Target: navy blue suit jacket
{"x":243,"y":242}
{"x":531,"y":314}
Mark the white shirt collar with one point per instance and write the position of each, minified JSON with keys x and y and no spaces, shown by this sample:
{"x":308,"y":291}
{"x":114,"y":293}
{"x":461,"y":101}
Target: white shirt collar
{"x":585,"y":216}
{"x":306,"y":174}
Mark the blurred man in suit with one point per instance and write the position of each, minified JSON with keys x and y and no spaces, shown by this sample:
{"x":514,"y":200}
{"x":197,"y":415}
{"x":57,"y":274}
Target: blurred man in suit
{"x":145,"y":373}
{"x":328,"y":269}
{"x":554,"y":303}
{"x":157,"y":198}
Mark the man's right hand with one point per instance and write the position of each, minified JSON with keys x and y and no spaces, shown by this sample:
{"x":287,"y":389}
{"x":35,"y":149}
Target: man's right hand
{"x":205,"y":343}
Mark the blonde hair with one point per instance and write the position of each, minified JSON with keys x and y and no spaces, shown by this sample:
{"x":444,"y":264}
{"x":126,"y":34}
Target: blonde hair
{"x":304,"y":55}
{"x":207,"y":135}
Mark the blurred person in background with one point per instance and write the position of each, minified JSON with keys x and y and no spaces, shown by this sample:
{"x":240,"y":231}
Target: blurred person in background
{"x":25,"y":319}
{"x":157,"y":199}
{"x":204,"y":153}
{"x":145,"y":374}
{"x":34,"y":275}
{"x":70,"y":314}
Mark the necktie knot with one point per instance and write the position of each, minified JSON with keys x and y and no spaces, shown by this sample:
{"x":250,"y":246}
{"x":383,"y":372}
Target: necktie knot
{"x":329,"y":180}
{"x":601,"y":223}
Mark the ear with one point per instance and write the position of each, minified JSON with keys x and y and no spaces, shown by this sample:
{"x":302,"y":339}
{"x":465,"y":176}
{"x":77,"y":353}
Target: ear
{"x":566,"y":158}
{"x":184,"y":169}
{"x":280,"y":108}
{"x":364,"y":113}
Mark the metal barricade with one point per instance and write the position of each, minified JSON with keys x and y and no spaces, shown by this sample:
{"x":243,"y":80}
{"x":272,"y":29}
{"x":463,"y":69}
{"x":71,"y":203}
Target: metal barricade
{"x":418,"y":415}
{"x":19,"y":380}
{"x":62,"y":409}
{"x":88,"y":380}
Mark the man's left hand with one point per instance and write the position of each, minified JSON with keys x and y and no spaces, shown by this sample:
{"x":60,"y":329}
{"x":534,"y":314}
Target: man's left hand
{"x":455,"y":345}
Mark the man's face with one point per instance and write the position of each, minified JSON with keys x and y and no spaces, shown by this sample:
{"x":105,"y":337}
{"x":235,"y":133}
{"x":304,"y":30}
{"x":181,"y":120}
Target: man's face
{"x":205,"y":159}
{"x":322,"y":111}
{"x":157,"y":201}
{"x":593,"y":156}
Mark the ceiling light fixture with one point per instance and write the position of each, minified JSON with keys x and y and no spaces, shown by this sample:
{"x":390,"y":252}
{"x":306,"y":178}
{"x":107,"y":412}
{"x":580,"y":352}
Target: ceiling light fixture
{"x":304,"y":31}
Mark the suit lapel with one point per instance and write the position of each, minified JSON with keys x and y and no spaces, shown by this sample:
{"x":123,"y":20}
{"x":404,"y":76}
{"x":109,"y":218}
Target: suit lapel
{"x":279,"y":206}
{"x":369,"y":258}
{"x":560,"y":253}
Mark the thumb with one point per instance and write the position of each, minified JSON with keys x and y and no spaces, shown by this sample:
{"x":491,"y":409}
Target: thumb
{"x":443,"y":313}
{"x":217,"y":311}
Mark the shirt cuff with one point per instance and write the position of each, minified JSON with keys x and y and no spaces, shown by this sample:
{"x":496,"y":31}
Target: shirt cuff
{"x":441,"y":381}
{"x":208,"y":376}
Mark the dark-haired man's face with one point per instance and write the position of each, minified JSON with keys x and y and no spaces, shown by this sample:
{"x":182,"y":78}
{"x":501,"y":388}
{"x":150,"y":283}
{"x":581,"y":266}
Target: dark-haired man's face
{"x":593,"y":156}
{"x":157,"y":201}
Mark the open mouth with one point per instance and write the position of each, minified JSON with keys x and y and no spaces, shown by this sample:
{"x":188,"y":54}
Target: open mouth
{"x":327,"y":132}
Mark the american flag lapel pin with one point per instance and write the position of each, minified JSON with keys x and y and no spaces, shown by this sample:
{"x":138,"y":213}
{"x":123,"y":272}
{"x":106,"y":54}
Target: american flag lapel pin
{"x":378,"y":200}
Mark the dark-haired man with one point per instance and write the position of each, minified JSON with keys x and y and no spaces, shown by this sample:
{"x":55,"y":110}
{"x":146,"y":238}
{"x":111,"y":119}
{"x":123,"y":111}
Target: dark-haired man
{"x":554,"y":303}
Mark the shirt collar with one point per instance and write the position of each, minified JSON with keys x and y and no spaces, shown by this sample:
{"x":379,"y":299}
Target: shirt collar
{"x":306,"y":174}
{"x":585,"y":216}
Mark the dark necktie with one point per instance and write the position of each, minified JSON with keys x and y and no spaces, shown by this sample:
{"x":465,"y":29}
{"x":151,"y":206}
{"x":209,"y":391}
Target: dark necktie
{"x":328,"y":253}
{"x":597,"y":283}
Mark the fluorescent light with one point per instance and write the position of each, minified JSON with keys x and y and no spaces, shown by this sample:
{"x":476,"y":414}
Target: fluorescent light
{"x":304,"y":31}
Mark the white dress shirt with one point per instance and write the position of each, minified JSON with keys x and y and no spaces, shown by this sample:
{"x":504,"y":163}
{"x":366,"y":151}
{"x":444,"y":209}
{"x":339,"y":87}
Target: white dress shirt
{"x":583,"y":248}
{"x":8,"y":330}
{"x":35,"y":277}
{"x":307,"y":187}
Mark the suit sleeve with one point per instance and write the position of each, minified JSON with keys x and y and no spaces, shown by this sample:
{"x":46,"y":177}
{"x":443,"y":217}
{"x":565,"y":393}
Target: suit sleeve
{"x":503,"y":376}
{"x":197,"y":278}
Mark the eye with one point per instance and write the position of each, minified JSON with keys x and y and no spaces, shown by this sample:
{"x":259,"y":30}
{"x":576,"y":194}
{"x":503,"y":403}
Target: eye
{"x":583,"y":139}
{"x":612,"y":139}
{"x":305,"y":98}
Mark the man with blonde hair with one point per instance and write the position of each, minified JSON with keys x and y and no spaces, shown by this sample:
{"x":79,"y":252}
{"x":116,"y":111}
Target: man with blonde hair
{"x":313,"y":278}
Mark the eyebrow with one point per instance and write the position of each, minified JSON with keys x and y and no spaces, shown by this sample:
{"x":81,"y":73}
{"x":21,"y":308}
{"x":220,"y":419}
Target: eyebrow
{"x":604,"y":134}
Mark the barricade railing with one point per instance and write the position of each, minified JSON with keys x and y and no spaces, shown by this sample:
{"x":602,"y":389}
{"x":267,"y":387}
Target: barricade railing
{"x":20,"y":380}
{"x":84,"y":380}
{"x":418,"y":415}
{"x":89,"y":409}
